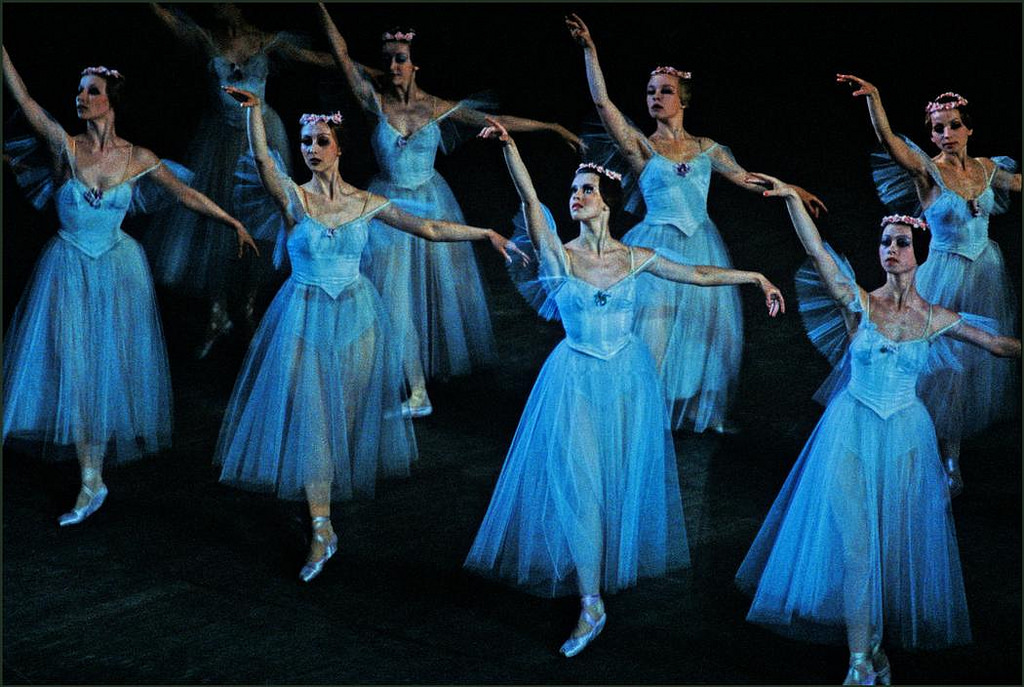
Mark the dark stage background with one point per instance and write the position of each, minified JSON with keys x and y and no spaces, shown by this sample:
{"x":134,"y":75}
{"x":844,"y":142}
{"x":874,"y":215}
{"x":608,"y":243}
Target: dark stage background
{"x":179,"y":579}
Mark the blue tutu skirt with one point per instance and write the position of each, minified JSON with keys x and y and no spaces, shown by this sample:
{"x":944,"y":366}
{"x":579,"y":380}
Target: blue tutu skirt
{"x":694,"y":333}
{"x":84,"y":358}
{"x":432,"y":290}
{"x":987,"y":390}
{"x":589,"y":488}
{"x":191,"y":253}
{"x":863,"y":520}
{"x":318,"y":398}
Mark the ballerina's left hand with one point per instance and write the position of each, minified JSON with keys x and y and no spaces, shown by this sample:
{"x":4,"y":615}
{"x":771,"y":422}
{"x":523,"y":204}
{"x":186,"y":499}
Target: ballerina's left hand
{"x":244,"y":239}
{"x":244,"y":98}
{"x":810,"y":201}
{"x":506,"y":247}
{"x":495,"y":131}
{"x":772,"y":297}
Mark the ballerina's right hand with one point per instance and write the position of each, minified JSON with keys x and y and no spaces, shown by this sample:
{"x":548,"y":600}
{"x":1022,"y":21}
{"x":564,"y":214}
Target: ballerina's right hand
{"x":244,"y":98}
{"x":495,"y":131}
{"x":775,"y":187}
{"x":862,"y":86}
{"x":579,"y":31}
{"x":245,"y":239}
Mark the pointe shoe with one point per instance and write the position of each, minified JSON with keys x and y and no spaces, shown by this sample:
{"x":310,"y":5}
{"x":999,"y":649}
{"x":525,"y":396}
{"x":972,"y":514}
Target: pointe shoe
{"x":574,"y":645}
{"x":861,"y":671}
{"x":880,"y":662}
{"x":96,"y":499}
{"x":215,"y":334}
{"x":954,"y":480}
{"x":416,"y":411}
{"x":313,"y":568}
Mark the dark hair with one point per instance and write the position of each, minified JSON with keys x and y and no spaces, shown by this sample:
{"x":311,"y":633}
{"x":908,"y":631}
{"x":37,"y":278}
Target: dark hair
{"x":115,"y":89}
{"x":963,"y":110}
{"x":611,"y":192}
{"x":685,"y":88}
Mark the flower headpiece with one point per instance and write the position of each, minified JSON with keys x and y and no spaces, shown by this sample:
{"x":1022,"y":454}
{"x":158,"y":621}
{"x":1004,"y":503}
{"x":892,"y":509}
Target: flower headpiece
{"x":102,"y":71}
{"x":593,"y":167}
{"x":934,"y":106}
{"x":398,"y":35}
{"x":915,"y":222}
{"x":671,"y":71}
{"x":335,"y":118}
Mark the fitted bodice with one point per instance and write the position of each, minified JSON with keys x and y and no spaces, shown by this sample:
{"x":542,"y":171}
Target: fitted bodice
{"x":92,"y":223}
{"x":676,"y":193}
{"x":250,"y":75}
{"x":883,"y":372}
{"x":407,"y":161}
{"x":598,"y":322}
{"x":325,"y":256}
{"x":954,"y":227}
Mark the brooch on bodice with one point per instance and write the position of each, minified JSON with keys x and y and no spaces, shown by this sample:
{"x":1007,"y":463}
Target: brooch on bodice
{"x":601,"y":298}
{"x":402,"y":141}
{"x":682,"y":169}
{"x":974,"y":206}
{"x":93,"y":197}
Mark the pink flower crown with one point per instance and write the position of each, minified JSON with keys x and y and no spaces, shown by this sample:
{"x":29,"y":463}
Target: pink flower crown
{"x":951,"y":105}
{"x":398,"y":36}
{"x":335,"y":118}
{"x":593,"y":167}
{"x":915,"y":222}
{"x":102,"y":71}
{"x":671,"y":71}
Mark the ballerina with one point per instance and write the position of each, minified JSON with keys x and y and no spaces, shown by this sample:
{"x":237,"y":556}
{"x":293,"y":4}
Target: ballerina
{"x":695,"y":334}
{"x":861,"y":538}
{"x":444,"y":325}
{"x":957,"y":194}
{"x":316,"y":411}
{"x":189,"y":254}
{"x":588,"y":498}
{"x":84,"y":360}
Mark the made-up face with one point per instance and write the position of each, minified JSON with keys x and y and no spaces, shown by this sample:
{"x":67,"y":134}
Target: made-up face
{"x":319,"y":147}
{"x":585,"y":201}
{"x":663,"y":96}
{"x":396,"y":60}
{"x":896,"y":249}
{"x":949,"y":133}
{"x":91,"y":101}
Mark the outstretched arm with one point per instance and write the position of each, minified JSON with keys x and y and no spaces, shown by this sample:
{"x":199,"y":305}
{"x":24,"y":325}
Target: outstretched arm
{"x":476,"y":118}
{"x":1002,"y":346}
{"x":356,"y":75}
{"x":193,"y":199}
{"x":839,"y":287}
{"x":186,"y":32}
{"x":895,"y":146}
{"x":50,"y":131}
{"x":270,"y":175}
{"x":439,"y":230}
{"x":1005,"y":180}
{"x":725,"y":164}
{"x":282,"y":44}
{"x":544,"y":242}
{"x":709,"y":275}
{"x":627,"y":138}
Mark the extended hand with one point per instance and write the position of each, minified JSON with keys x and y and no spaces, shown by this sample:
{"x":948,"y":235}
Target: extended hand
{"x":506,"y":247}
{"x":772,"y":298}
{"x":579,"y":31}
{"x":244,"y":98}
{"x":862,"y":86}
{"x":244,"y":239}
{"x":495,"y":131}
{"x":810,"y":201}
{"x":776,"y":187}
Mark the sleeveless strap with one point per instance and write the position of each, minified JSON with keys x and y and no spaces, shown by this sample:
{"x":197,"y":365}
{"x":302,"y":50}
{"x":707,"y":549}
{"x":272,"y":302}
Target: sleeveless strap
{"x":128,"y":165}
{"x":928,"y":322}
{"x":72,"y":157}
{"x":568,"y":261}
{"x":631,"y":264}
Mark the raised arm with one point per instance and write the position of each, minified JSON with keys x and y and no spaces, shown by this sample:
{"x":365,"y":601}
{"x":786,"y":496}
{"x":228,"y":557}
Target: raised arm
{"x":187,"y":32}
{"x":50,"y":131}
{"x":193,"y":199}
{"x":724,"y":163}
{"x":628,"y":140}
{"x":838,"y":286}
{"x":544,"y":242}
{"x":356,"y":75}
{"x":283,"y":44}
{"x":709,"y":275}
{"x":475,"y":118}
{"x":895,"y":146}
{"x":270,"y":175}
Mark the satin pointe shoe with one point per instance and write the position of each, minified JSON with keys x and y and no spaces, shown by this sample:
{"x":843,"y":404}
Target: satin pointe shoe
{"x":96,"y":499}
{"x":416,"y":411}
{"x":313,"y":568}
{"x":880,"y":662}
{"x":861,"y":671}
{"x":954,"y":479}
{"x":574,"y":645}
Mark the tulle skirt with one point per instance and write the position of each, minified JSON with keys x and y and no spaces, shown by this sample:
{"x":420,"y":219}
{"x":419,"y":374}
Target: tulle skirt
{"x":694,"y":333}
{"x":588,"y":497}
{"x":433,"y":291}
{"x":861,"y":537}
{"x":191,"y":253}
{"x":84,"y":358}
{"x":986,"y":391}
{"x":318,"y":399}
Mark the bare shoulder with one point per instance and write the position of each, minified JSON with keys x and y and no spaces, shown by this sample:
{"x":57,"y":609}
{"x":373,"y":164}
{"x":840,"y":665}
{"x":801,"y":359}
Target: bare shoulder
{"x":942,"y":318}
